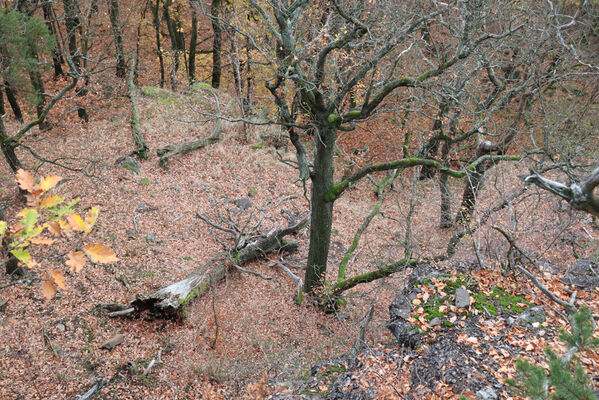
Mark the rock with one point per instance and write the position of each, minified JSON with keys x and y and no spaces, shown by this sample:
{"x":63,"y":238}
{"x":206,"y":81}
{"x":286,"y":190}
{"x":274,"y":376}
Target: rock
{"x":532,"y":315}
{"x":486,"y":393}
{"x":129,"y":164}
{"x":400,"y":308}
{"x":406,"y":334}
{"x":583,"y":274}
{"x":61,"y":327}
{"x":113,"y":342}
{"x":462,"y":298}
{"x":244,"y":203}
{"x":435,"y":321}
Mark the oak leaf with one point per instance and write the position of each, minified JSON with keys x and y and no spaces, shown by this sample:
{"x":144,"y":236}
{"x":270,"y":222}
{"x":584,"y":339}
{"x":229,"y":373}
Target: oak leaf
{"x":49,"y":182}
{"x":76,"y":222}
{"x":43,"y":241}
{"x":3,"y":226}
{"x":99,"y":253}
{"x":22,"y":255}
{"x":25,"y":180}
{"x":51,"y":200}
{"x":54,"y":228}
{"x":48,"y":288}
{"x":76,"y":261}
{"x":59,"y":279}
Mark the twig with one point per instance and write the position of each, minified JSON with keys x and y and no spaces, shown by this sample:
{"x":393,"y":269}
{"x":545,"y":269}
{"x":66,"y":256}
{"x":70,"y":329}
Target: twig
{"x":149,"y":367}
{"x":360,"y":342}
{"x":49,"y":342}
{"x":568,"y":306}
{"x":293,"y":276}
{"x":212,"y":224}
{"x":28,"y":280}
{"x":213,"y":345}
{"x":120,"y":313}
{"x":249,"y":271}
{"x":93,"y":390}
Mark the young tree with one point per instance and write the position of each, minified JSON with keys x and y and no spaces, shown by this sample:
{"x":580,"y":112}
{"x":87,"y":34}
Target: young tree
{"x":354,"y":63}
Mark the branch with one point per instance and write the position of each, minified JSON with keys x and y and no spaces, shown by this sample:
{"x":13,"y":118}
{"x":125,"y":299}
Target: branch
{"x":581,"y":195}
{"x":338,"y":188}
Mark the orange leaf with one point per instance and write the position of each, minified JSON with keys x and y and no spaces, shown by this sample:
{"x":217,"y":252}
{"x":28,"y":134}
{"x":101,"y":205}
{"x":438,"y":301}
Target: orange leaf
{"x":59,"y":279}
{"x":76,"y":222}
{"x":76,"y":261}
{"x":43,"y":240}
{"x":25,"y":180}
{"x":48,"y":288}
{"x":54,"y":228}
{"x":50,"y":201}
{"x":100,"y":254}
{"x":49,"y":182}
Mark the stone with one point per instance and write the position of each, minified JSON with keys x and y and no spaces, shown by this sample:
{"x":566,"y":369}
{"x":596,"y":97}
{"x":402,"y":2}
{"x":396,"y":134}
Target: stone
{"x":243,"y":203}
{"x":113,"y":342}
{"x":583,"y":274}
{"x":486,"y":393}
{"x":400,"y":307}
{"x":532,"y":315}
{"x":61,"y":327}
{"x":462,"y":298}
{"x":129,"y":164}
{"x":435,"y":321}
{"x":406,"y":334}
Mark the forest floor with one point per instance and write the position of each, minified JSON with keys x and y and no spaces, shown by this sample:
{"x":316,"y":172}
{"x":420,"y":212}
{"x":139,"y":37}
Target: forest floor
{"x":248,"y":338}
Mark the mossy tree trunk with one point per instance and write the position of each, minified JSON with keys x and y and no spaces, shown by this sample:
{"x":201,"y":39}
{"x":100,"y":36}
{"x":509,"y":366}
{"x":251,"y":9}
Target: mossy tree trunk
{"x":322,"y":208}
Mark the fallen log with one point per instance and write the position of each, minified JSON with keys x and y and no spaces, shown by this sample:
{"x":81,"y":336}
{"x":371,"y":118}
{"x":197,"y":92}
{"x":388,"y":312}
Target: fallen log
{"x":170,"y":302}
{"x":171,"y":150}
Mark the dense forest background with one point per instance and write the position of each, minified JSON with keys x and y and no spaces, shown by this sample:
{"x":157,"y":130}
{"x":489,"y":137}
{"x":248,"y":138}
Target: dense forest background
{"x":299,"y":199}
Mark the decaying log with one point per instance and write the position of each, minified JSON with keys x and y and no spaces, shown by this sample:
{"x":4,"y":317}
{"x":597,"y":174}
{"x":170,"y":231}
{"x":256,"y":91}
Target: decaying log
{"x":171,"y":301}
{"x":142,"y":147}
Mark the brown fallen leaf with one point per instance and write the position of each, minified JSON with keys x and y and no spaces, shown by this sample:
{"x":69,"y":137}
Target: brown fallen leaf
{"x":113,"y":342}
{"x":100,"y":254}
{"x":76,"y":261}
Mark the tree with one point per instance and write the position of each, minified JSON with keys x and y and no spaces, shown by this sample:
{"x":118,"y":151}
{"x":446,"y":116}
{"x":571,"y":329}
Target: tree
{"x":353,"y":65}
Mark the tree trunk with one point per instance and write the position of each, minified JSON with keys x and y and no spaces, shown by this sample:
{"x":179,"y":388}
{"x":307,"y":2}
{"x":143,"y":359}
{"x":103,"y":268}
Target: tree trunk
{"x":445,"y":220}
{"x":57,"y":59}
{"x":12,"y":100}
{"x":7,"y":145}
{"x":177,"y":40}
{"x":193,"y":43}
{"x":216,"y":44}
{"x":115,"y":21}
{"x":72,"y":23}
{"x":142,"y":147}
{"x":321,"y":207}
{"x":170,"y":302}
{"x":156,"y":21}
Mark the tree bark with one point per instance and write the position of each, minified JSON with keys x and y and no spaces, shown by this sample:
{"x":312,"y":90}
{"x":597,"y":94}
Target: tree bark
{"x":321,"y":208}
{"x":115,"y":21}
{"x":171,"y":301}
{"x":14,"y":104}
{"x":72,"y":23}
{"x":57,"y":59}
{"x":193,"y":44}
{"x":216,"y":44}
{"x":142,"y":147}
{"x":156,"y":22}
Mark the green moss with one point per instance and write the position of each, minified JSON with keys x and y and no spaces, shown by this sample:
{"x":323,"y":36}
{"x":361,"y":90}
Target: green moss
{"x":257,"y":146}
{"x":334,"y":120}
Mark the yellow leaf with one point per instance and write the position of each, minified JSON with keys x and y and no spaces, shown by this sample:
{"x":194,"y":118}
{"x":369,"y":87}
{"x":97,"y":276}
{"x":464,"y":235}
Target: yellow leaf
{"x":43,"y":240}
{"x":3,"y":226}
{"x":76,"y":261}
{"x":51,"y":200}
{"x":48,"y":288}
{"x":54,"y":228}
{"x":100,"y":254}
{"x":76,"y":222}
{"x":59,"y":279}
{"x":49,"y":182}
{"x":91,"y":218}
{"x":25,"y":180}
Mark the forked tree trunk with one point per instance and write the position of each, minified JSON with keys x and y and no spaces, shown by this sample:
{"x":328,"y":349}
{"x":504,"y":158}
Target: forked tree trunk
{"x":321,"y":208}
